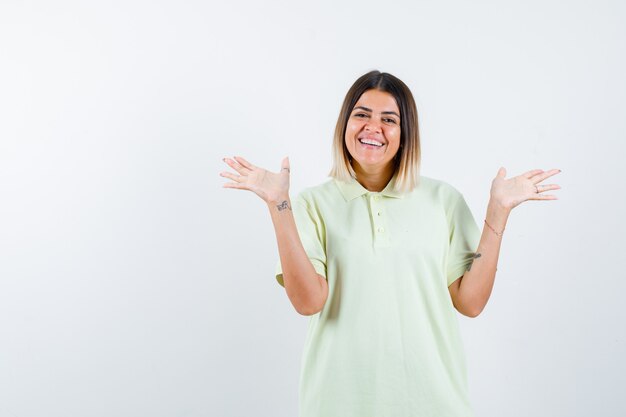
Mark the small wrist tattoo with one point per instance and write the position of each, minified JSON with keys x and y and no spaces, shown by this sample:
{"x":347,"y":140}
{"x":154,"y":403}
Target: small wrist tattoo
{"x":282,"y":206}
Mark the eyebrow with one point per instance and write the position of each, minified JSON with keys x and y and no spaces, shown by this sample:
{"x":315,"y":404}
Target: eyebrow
{"x":370,"y":110}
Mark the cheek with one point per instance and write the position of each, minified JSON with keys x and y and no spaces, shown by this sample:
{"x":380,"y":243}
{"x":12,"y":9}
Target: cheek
{"x":351,"y":129}
{"x":351,"y":132}
{"x":393,"y":135}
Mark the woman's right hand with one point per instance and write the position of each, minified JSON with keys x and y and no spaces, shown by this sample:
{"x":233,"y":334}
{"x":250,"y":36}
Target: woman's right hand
{"x":268,"y":185}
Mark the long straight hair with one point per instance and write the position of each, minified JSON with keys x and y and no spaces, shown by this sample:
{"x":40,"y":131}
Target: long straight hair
{"x":407,"y":159}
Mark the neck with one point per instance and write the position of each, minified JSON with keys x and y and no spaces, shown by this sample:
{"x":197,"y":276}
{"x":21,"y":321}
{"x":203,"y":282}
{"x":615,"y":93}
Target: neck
{"x":373,"y":179}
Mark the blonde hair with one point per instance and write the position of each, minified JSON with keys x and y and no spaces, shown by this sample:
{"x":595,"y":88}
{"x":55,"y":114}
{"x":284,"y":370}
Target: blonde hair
{"x":407,"y":159}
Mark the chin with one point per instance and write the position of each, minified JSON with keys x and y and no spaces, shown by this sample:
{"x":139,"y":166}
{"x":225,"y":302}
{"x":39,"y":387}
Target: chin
{"x":371,"y":164}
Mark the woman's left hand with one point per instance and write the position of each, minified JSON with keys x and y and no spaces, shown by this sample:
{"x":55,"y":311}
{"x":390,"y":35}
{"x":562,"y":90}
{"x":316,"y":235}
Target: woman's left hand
{"x":508,"y":194}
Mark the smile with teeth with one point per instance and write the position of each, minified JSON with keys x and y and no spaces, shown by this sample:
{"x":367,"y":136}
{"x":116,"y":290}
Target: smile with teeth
{"x":371,"y":142}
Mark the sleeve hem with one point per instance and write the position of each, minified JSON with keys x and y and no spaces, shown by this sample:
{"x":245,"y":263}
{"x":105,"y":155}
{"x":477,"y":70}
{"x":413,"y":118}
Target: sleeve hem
{"x":456,"y":274}
{"x":319,"y":267}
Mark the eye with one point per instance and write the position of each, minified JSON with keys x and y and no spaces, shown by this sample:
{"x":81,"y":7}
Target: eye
{"x":388,"y":120}
{"x":360,"y":115}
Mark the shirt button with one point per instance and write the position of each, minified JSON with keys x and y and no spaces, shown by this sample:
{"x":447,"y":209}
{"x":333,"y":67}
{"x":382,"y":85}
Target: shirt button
{"x":376,"y":197}
{"x":378,"y":213}
{"x":381,"y":230}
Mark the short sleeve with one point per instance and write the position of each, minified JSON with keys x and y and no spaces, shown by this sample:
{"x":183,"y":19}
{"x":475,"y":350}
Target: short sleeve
{"x":312,"y":235}
{"x":464,"y":238}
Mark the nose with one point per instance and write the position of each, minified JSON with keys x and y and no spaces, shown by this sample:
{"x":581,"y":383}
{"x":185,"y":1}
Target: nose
{"x":373,"y":125}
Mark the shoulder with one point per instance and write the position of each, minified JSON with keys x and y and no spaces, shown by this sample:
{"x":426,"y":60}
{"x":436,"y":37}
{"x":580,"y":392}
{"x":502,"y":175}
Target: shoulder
{"x":439,"y":189}
{"x":312,"y":195}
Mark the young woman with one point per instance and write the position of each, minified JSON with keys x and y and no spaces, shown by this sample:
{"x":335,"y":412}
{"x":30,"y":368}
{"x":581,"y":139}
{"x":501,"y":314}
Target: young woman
{"x":380,"y":257}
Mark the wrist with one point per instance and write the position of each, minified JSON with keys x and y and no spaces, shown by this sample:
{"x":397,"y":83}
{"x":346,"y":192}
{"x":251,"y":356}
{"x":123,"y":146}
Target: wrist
{"x":495,"y":207}
{"x":281,"y":200}
{"x":497,"y":215}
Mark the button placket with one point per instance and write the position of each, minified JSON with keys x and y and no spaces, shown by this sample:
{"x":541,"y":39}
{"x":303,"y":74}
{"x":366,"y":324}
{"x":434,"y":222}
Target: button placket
{"x":381,"y":234}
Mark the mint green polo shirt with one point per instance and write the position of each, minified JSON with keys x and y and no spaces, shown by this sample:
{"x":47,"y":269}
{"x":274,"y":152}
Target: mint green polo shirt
{"x":387,"y":341}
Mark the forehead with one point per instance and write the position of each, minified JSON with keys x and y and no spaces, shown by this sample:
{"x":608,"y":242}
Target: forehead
{"x":378,"y":101}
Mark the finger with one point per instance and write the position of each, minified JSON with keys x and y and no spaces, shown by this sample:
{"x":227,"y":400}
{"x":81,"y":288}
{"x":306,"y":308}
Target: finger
{"x":548,"y":187}
{"x":532,"y":172}
{"x":546,"y":174}
{"x":284,"y":166}
{"x":244,"y":162}
{"x":544,"y":197}
{"x":231,"y":176}
{"x":235,"y":165}
{"x":234,"y":185}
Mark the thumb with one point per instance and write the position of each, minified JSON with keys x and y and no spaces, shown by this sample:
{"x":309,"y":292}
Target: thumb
{"x":285,"y":164}
{"x":502,"y":172}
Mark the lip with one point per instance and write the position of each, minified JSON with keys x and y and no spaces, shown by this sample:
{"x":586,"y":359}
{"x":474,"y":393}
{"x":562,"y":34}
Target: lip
{"x":371,"y":138}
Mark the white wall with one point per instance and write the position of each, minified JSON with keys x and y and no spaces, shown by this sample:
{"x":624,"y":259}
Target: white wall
{"x":133,"y":284}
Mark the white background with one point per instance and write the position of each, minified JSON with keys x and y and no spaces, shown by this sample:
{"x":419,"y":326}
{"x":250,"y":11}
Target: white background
{"x":133,"y":284}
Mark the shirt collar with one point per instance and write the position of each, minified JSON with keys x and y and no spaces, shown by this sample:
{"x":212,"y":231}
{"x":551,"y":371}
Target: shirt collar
{"x":353,"y":189}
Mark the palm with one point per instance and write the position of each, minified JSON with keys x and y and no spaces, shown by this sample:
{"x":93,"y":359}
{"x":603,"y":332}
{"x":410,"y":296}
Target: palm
{"x":511,"y":192}
{"x":267,"y":185}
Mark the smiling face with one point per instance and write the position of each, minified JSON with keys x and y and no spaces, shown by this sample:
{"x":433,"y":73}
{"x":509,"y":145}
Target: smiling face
{"x":373,"y":132}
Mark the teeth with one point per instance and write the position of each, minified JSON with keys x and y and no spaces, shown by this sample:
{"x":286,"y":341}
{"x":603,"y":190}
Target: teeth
{"x":370,"y":142}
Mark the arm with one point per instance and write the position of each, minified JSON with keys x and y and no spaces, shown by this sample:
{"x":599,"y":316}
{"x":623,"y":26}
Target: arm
{"x":471,"y":292}
{"x":306,"y":289}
